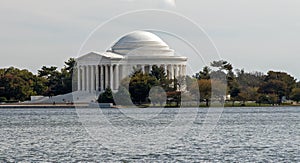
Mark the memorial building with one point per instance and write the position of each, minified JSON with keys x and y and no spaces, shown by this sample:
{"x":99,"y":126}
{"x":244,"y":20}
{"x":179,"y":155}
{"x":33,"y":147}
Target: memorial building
{"x":136,"y":50}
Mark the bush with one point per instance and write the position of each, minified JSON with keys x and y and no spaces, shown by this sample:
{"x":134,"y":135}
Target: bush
{"x":106,"y":97}
{"x":3,"y":99}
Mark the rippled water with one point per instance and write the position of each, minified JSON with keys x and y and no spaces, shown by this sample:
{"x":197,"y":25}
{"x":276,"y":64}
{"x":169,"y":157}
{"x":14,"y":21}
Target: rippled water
{"x":241,"y":135}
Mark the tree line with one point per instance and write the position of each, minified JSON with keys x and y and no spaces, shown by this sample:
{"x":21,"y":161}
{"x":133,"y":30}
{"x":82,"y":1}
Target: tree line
{"x":135,"y":89}
{"x":275,"y":87}
{"x":19,"y":85}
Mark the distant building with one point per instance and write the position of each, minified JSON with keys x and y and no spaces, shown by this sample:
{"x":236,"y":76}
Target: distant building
{"x":139,"y":49}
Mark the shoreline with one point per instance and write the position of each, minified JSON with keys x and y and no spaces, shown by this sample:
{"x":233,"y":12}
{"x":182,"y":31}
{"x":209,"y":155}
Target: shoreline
{"x":84,"y":105}
{"x":42,"y":106}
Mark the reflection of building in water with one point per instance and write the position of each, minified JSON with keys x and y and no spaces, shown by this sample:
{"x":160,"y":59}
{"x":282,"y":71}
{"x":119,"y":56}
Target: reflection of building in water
{"x":139,"y":49}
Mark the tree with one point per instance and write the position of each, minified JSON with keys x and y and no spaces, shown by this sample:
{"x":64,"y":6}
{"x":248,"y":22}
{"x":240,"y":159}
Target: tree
{"x":267,"y":99}
{"x":70,"y":65}
{"x":68,"y":74}
{"x":47,"y":71}
{"x":277,"y":84}
{"x":248,"y":94}
{"x":161,"y":76}
{"x":246,"y":79}
{"x":54,"y":80}
{"x":234,"y":92}
{"x":295,"y":95}
{"x":3,"y":99}
{"x":205,"y":90}
{"x":287,"y":79}
{"x":16,"y":84}
{"x":273,"y":87}
{"x":298,"y":84}
{"x":193,"y":89}
{"x":39,"y":85}
{"x":58,"y":82}
{"x":19,"y":85}
{"x":106,"y":97}
{"x":222,"y":65}
{"x":204,"y":74}
{"x":140,"y":85}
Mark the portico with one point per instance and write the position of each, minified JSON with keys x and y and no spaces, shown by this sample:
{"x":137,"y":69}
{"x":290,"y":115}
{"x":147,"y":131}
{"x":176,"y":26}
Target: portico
{"x":137,"y":50}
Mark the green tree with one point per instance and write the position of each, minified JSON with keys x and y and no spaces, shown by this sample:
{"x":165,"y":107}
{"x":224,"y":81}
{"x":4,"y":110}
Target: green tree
{"x":205,"y":90}
{"x":3,"y":99}
{"x":106,"y":96}
{"x":248,"y":94}
{"x":273,"y":87}
{"x":295,"y":95}
{"x":70,"y":65}
{"x":267,"y":99}
{"x":16,"y":84}
{"x":53,"y":77}
{"x":234,"y":91}
{"x":288,"y":80}
{"x":69,"y":75}
{"x":40,"y":85}
{"x":140,"y":85}
{"x":246,"y":79}
{"x":204,"y":74}
{"x":222,"y":65}
{"x":161,"y":76}
{"x":58,"y":82}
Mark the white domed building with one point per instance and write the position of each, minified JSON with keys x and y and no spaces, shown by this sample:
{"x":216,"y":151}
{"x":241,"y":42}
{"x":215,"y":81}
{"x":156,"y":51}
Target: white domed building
{"x":139,"y":49}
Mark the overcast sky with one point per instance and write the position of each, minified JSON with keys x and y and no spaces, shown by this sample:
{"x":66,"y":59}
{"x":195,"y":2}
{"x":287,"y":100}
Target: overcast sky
{"x":252,"y":34}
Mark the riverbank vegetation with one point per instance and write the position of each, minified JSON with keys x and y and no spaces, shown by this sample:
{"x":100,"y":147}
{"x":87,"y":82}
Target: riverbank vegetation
{"x":242,"y":88}
{"x":274,"y":88}
{"x":19,"y":85}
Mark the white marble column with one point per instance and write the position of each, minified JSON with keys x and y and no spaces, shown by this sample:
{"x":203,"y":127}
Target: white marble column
{"x":84,"y":78}
{"x":180,"y":70}
{"x":171,"y":71}
{"x":117,"y":77}
{"x":143,"y":68}
{"x":121,"y":73}
{"x":88,"y":78}
{"x":92,"y":78}
{"x":176,"y":71}
{"x":78,"y":78}
{"x":150,"y":68}
{"x":106,"y":77}
{"x":111,"y":74}
{"x":97,"y":78}
{"x":102,"y":77}
{"x":166,"y":70}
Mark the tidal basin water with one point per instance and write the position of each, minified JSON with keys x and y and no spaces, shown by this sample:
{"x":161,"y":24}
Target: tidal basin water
{"x":240,"y":135}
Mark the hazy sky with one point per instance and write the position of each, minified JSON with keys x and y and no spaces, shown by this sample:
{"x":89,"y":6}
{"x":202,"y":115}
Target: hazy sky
{"x":252,"y":34}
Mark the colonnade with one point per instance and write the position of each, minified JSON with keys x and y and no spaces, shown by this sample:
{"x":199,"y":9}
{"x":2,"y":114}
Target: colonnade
{"x":99,"y":77}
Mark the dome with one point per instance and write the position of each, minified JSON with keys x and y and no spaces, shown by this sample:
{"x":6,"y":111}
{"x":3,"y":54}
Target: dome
{"x":140,"y":43}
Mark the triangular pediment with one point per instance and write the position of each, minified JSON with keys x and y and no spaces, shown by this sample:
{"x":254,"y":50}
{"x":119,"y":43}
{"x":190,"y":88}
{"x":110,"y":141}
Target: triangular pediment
{"x":90,"y":56}
{"x":96,"y":55}
{"x":95,"y":58}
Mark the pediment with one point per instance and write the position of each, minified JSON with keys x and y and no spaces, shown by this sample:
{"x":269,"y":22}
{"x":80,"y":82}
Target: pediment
{"x":90,"y":56}
{"x":96,"y":58}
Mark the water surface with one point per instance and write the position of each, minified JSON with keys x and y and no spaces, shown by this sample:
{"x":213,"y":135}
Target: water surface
{"x":241,"y":134}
